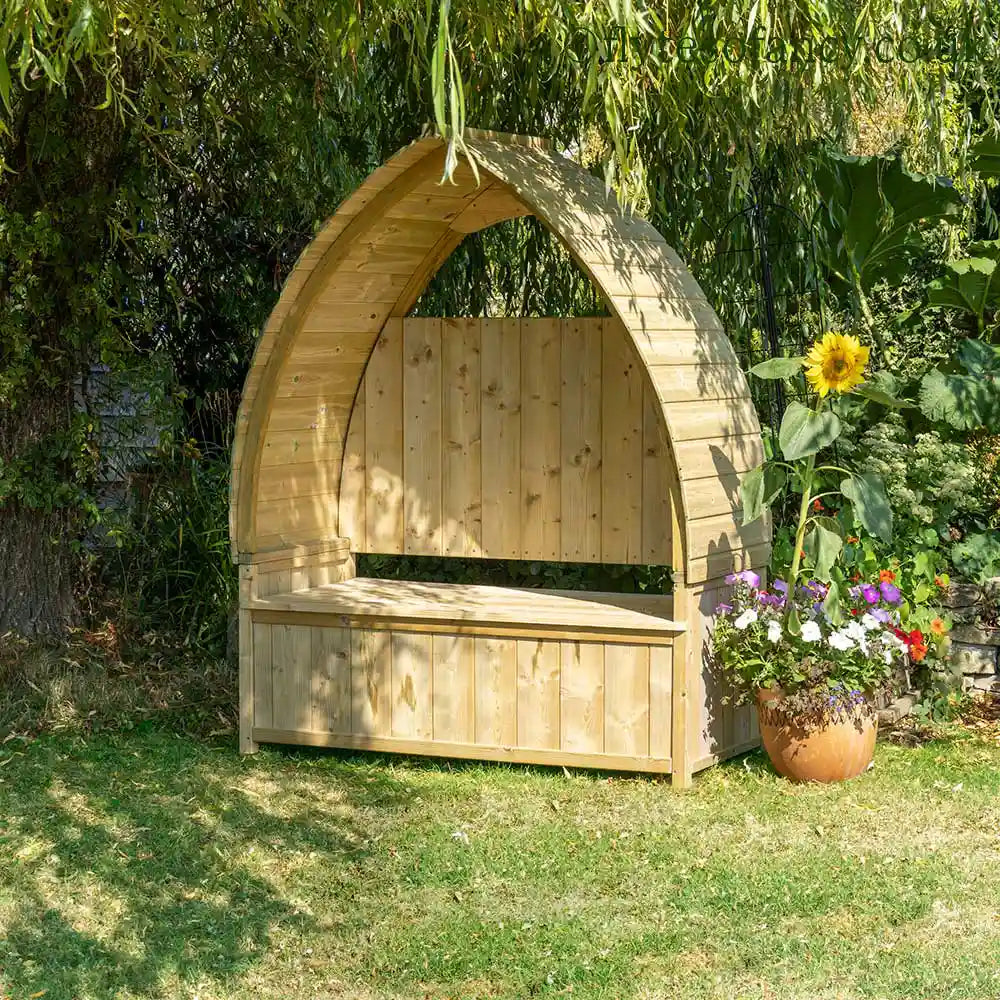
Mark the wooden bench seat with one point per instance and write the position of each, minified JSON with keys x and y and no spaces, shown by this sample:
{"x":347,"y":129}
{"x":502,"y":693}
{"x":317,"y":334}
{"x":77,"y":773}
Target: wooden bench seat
{"x":474,"y":609}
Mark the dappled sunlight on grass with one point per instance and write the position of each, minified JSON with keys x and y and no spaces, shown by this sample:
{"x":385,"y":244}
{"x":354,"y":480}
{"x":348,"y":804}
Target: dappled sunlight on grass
{"x":148,"y":864}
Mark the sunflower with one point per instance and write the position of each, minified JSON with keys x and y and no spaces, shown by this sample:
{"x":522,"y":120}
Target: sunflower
{"x":836,"y":362}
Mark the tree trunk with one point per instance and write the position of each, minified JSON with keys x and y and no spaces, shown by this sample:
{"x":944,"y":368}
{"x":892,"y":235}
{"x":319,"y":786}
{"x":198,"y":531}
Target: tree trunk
{"x":37,"y":533}
{"x":36,"y":566}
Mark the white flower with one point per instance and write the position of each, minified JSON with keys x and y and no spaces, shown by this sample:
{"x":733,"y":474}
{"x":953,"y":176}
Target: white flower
{"x":893,"y":641}
{"x":774,"y":631}
{"x":811,"y":632}
{"x":870,"y":622}
{"x":841,"y":640}
{"x":887,"y":655}
{"x":855,"y":630}
{"x":748,"y":617}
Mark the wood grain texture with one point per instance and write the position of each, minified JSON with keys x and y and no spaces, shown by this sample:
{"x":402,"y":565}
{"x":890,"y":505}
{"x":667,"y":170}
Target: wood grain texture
{"x":580,"y":414}
{"x":420,"y":433}
{"x":617,"y":440}
{"x":384,"y":443}
{"x":541,"y":436}
{"x":500,"y":383}
{"x":386,"y":240}
{"x":595,"y":704}
{"x":461,"y":438}
{"x":621,"y":449}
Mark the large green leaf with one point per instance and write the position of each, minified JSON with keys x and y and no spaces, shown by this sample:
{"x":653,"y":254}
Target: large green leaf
{"x":963,"y":401}
{"x":866,"y":492}
{"x":752,"y":494}
{"x":971,"y":284}
{"x":822,"y":545}
{"x":873,"y":210}
{"x":804,"y":431}
{"x":758,"y":490}
{"x":876,"y":395}
{"x":778,"y":368}
{"x":986,"y":157}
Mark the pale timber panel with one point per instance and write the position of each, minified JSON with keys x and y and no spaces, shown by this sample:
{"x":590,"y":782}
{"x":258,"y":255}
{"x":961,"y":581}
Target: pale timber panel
{"x":541,"y":436}
{"x":461,"y":438}
{"x":581,"y":697}
{"x":421,"y":434}
{"x":549,"y":444}
{"x":353,"y":479}
{"x":454,"y":688}
{"x":470,"y":751}
{"x":501,"y":431}
{"x":384,"y":442}
{"x":700,"y":419}
{"x":331,"y":680}
{"x":661,"y":665}
{"x":263,"y":700}
{"x":657,"y":476}
{"x":453,"y":603}
{"x":581,"y":441}
{"x":538,"y":670}
{"x":371,"y":683}
{"x":626,"y":699}
{"x":496,"y":691}
{"x":291,"y":671}
{"x":412,"y":685}
{"x":621,"y":448}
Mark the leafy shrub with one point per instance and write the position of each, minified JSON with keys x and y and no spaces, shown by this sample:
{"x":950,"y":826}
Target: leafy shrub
{"x":938,"y":497}
{"x":607,"y":577}
{"x":173,"y":564}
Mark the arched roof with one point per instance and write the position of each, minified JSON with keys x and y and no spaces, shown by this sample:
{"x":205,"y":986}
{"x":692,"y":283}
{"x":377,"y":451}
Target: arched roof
{"x":374,"y":257}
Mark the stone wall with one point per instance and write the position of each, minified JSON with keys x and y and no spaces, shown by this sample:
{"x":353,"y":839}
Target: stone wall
{"x":975,"y":637}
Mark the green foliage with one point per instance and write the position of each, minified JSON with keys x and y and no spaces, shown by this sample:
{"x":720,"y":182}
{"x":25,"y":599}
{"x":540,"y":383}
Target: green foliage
{"x":873,"y":210}
{"x":965,"y":393}
{"x":804,"y":431}
{"x":173,"y":567}
{"x":607,"y":577}
{"x":935,"y":491}
{"x":977,"y":556}
{"x":970,"y":284}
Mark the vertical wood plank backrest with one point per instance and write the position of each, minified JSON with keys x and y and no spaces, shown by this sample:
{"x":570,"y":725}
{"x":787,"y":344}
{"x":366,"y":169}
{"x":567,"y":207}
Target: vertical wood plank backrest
{"x":507,"y":439}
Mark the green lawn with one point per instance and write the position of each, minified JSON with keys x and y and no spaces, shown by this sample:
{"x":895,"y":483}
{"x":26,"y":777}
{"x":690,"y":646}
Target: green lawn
{"x":147,"y":864}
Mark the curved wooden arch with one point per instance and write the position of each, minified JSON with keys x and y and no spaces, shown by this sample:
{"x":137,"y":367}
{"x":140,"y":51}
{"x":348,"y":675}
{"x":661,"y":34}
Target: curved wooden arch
{"x":375,"y":256}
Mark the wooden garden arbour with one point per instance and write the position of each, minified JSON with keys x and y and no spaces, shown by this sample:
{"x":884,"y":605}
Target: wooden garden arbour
{"x":616,"y":440}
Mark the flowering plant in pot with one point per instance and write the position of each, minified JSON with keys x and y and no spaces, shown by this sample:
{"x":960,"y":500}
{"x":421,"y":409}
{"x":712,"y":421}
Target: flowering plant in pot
{"x":812,"y":650}
{"x":814,"y":681}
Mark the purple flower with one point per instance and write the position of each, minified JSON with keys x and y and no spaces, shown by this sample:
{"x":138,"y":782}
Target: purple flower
{"x":890,"y":592}
{"x":731,"y":579}
{"x":770,"y":600}
{"x":854,"y":592}
{"x":750,"y":577}
{"x":881,"y":615}
{"x":780,"y":586}
{"x":723,"y":609}
{"x":870,"y":593}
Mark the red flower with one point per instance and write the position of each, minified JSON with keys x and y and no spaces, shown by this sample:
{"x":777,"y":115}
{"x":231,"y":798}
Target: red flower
{"x":900,"y":634}
{"x":853,"y":539}
{"x":915,"y":637}
{"x":817,"y":505}
{"x":918,"y":651}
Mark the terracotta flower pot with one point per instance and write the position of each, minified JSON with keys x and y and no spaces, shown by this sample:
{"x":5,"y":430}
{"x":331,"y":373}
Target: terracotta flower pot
{"x":839,"y":748}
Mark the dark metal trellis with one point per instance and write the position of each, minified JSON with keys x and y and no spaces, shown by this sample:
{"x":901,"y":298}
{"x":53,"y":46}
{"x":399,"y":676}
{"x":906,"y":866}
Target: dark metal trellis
{"x":769,"y":288}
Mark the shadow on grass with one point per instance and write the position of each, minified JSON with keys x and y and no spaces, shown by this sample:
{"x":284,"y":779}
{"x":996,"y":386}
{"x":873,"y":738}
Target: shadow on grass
{"x":128,"y":864}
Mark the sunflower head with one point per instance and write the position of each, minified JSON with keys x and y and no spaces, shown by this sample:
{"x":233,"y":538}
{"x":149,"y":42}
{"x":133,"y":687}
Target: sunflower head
{"x":836,"y":363}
